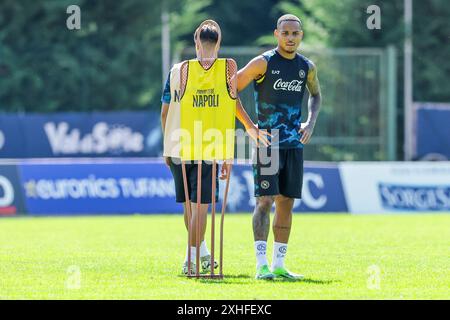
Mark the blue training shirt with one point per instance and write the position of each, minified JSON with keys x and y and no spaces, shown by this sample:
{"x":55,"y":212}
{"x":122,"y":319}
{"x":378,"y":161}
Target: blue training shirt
{"x":278,"y":97}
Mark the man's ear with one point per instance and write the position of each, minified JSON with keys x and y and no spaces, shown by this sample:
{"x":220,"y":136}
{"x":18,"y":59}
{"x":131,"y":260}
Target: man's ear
{"x":275,"y":33}
{"x":301,"y":34}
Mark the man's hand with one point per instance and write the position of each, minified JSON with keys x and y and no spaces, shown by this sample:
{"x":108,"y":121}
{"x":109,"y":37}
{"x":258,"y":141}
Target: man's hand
{"x":258,"y":135}
{"x":306,"y":130}
{"x":252,"y":129}
{"x":224,"y":170}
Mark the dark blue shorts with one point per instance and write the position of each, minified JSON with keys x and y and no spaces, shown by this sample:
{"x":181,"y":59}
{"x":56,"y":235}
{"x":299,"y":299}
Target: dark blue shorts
{"x":191,"y":177}
{"x":278,"y":175}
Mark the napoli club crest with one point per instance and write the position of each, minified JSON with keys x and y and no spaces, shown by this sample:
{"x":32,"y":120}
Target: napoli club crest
{"x":301,"y":73}
{"x":265,"y":184}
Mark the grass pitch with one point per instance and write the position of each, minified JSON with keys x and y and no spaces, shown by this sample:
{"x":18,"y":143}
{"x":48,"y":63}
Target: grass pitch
{"x":140,"y":257}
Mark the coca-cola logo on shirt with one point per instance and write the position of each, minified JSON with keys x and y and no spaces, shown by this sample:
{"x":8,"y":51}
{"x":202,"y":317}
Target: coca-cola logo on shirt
{"x":294,"y":85}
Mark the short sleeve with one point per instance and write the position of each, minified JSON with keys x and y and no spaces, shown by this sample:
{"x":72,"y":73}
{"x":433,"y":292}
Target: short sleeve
{"x":165,"y":98}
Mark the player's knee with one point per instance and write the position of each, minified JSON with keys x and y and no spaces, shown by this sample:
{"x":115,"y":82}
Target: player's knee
{"x":284,"y":199}
{"x":264,"y":204}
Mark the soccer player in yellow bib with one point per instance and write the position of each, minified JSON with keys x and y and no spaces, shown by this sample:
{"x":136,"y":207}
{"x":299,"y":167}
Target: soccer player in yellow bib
{"x":199,"y":106}
{"x":207,"y":113}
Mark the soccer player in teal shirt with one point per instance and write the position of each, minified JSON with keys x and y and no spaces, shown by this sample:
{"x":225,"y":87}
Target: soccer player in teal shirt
{"x":280,"y":77}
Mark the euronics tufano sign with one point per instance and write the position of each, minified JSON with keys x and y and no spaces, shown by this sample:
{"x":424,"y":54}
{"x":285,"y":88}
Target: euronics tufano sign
{"x":127,"y":186}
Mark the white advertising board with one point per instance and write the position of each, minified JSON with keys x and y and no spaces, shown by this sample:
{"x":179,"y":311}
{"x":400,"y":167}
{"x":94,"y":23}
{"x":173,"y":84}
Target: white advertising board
{"x":381,"y":187}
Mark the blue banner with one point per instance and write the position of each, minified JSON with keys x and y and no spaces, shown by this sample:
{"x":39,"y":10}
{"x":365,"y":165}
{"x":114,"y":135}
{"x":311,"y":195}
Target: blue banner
{"x":98,"y":188}
{"x":322,"y":190}
{"x":97,"y":134}
{"x":433,"y":131}
{"x":146,"y":186}
{"x":134,"y":186}
{"x":12,"y":138}
{"x":11,"y":201}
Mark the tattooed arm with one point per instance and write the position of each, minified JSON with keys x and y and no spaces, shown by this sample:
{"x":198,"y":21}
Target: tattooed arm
{"x":315,"y":97}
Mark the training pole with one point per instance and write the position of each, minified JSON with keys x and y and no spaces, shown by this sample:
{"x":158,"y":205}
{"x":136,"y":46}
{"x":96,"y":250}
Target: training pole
{"x":224,"y":205}
{"x":213,"y":214}
{"x":198,"y":218}
{"x":188,"y":213}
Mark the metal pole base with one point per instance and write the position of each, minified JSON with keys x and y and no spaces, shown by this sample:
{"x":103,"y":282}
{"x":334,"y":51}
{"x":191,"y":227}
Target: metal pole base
{"x":206,"y":276}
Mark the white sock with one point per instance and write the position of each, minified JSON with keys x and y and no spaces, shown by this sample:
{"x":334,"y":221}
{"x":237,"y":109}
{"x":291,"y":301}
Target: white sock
{"x":193,"y":255}
{"x":204,"y":249}
{"x":279,"y":252}
{"x":260,"y":250}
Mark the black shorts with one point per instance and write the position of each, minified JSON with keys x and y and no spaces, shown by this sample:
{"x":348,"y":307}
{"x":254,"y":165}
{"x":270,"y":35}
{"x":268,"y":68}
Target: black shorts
{"x":191,"y":177}
{"x":278,"y":175}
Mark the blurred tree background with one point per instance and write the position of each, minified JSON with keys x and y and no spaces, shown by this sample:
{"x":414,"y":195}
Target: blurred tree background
{"x":114,"y":61}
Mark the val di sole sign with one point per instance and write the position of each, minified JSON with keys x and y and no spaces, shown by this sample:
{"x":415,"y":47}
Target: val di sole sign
{"x":110,"y":134}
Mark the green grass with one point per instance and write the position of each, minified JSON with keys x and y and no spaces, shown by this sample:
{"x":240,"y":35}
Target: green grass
{"x":140,"y":257}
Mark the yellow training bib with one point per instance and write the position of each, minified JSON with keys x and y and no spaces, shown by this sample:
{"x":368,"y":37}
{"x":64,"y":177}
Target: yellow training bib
{"x":207,"y":118}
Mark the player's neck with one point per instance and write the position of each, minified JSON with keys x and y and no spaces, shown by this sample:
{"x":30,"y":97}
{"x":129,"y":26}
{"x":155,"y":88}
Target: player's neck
{"x":284,"y":54}
{"x":207,"y":60}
